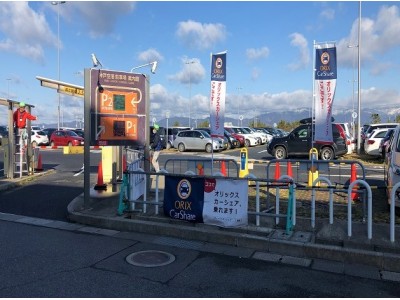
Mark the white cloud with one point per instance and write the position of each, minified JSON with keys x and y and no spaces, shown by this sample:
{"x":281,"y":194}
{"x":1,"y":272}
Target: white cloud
{"x":192,"y":72}
{"x":200,"y":36}
{"x":299,"y":41}
{"x":328,"y":13}
{"x":254,"y":54}
{"x":150,"y":55}
{"x":26,"y":31}
{"x":377,"y":37}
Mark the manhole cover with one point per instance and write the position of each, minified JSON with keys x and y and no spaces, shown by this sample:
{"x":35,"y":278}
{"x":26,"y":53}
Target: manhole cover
{"x":150,"y":258}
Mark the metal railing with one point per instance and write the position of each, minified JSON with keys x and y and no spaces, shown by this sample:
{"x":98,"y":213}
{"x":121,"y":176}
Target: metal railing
{"x":284,"y":182}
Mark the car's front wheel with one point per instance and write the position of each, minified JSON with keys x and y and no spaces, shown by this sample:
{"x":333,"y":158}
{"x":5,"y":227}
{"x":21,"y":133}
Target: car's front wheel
{"x":181,"y":147}
{"x":327,"y":153}
{"x":247,"y":143}
{"x":208,"y":148}
{"x":280,"y":152}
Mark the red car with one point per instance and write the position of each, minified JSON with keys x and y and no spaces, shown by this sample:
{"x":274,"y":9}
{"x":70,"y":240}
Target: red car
{"x":237,"y":136}
{"x":65,"y":138}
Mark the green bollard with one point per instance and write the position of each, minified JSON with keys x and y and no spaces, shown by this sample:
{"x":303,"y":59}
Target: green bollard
{"x":123,"y":203}
{"x":289,"y":220}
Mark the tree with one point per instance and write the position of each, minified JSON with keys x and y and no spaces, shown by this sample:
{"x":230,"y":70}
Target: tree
{"x":176,"y":124}
{"x":375,"y":118}
{"x":204,"y":124}
{"x":397,"y":120}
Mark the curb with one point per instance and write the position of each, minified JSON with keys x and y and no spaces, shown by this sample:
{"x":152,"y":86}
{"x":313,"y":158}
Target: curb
{"x":274,"y":241}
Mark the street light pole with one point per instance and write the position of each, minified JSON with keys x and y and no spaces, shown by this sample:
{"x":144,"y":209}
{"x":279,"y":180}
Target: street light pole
{"x":239,"y":89}
{"x":359,"y":83}
{"x":190,"y":91}
{"x":58,"y":3}
{"x":8,"y":88}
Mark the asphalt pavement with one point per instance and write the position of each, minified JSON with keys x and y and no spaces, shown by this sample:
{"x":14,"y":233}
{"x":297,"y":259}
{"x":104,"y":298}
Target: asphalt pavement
{"x":325,"y":248}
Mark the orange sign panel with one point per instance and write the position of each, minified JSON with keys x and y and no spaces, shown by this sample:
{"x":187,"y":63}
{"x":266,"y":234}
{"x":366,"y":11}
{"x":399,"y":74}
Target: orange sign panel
{"x":114,"y":128}
{"x":118,"y":102}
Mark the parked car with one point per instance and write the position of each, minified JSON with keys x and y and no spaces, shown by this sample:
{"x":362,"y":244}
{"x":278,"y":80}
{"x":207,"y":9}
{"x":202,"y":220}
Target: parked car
{"x":49,"y":131}
{"x":371,"y":144}
{"x":350,"y":139}
{"x":79,"y":132}
{"x":65,"y":138}
{"x":367,"y":130}
{"x":39,"y":138}
{"x":299,"y":143}
{"x":239,"y":137}
{"x":3,"y":133}
{"x":268,"y":133}
{"x":385,"y":143}
{"x":197,"y":140}
{"x":250,"y":139}
{"x":261,"y":136}
{"x":172,"y":132}
{"x":232,"y":141}
{"x":392,"y":167}
{"x":225,"y":139}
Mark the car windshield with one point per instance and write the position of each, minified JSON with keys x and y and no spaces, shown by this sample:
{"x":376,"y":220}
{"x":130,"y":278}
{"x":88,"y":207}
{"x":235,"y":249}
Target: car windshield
{"x":205,"y":133}
{"x":71,"y":133}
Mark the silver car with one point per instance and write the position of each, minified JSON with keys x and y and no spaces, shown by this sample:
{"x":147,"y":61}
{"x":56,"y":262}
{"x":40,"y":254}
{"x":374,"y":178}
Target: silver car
{"x":197,"y":140}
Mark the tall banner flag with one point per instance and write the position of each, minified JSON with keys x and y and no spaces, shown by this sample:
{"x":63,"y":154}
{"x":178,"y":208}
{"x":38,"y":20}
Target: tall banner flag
{"x":324,"y":90}
{"x":218,"y":93}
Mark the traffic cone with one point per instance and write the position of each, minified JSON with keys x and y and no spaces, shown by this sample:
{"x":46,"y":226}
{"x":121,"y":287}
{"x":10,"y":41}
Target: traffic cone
{"x":200,"y":169}
{"x":289,"y":169}
{"x":100,"y":184}
{"x":277,"y":171}
{"x":223,"y":168}
{"x":353,"y":177}
{"x":39,"y":165}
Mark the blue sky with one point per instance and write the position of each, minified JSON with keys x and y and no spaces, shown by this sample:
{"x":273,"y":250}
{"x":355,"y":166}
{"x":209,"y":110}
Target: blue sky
{"x":269,"y":48}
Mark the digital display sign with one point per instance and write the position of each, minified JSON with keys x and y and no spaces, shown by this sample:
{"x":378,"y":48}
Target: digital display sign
{"x":118,"y":108}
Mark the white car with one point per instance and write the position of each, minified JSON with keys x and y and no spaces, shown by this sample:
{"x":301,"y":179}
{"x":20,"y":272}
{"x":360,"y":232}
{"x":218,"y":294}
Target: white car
{"x":38,"y":138}
{"x":371,"y":144}
{"x":250,"y":139}
{"x":263,"y":138}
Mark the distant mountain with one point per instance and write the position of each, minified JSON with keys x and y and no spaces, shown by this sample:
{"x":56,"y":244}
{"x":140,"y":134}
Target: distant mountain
{"x":345,"y":115}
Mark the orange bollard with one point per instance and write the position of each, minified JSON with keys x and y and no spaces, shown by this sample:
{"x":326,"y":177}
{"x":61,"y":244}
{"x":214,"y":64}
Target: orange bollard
{"x":100,"y":184}
{"x":223,"y":168}
{"x":39,"y":165}
{"x":353,"y":177}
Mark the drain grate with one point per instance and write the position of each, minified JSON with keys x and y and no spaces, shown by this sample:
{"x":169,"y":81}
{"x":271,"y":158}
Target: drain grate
{"x":150,"y":258}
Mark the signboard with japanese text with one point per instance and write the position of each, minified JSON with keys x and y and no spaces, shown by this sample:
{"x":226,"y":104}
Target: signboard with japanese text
{"x":220,"y":202}
{"x":117,"y":108}
{"x":325,"y":85}
{"x":217,"y":94}
{"x":225,"y":202}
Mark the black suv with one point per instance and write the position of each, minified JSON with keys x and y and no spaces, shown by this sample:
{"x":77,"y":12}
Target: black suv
{"x":299,"y":143}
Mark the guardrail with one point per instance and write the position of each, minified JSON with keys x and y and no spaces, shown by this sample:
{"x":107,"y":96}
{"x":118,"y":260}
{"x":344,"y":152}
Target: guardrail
{"x":283,"y":182}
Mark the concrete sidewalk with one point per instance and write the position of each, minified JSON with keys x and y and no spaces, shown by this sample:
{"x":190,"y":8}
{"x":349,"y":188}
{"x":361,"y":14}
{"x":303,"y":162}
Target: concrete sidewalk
{"x":323,"y":243}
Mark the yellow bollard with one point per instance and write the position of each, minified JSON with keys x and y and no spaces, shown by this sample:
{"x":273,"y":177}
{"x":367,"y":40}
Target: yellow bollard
{"x":244,"y":170}
{"x":313,"y":172}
